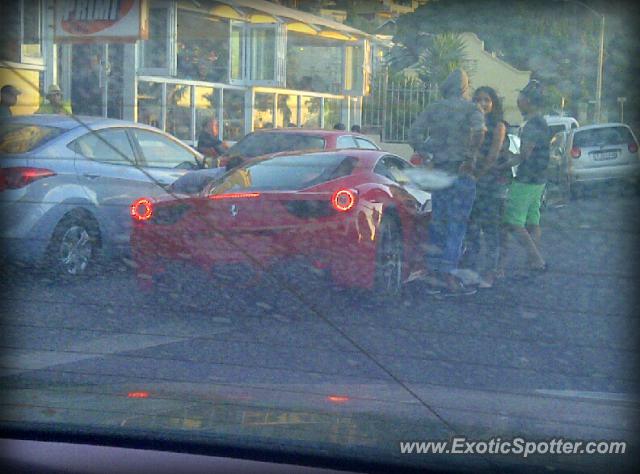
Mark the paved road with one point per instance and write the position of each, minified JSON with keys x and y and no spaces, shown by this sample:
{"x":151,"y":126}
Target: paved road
{"x":551,"y":355}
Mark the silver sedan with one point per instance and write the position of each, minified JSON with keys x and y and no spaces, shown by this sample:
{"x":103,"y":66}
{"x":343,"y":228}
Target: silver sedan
{"x":66,"y":184}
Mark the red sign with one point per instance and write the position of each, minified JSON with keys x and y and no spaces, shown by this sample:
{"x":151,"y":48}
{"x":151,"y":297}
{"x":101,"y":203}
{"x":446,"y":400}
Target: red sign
{"x":101,"y":20}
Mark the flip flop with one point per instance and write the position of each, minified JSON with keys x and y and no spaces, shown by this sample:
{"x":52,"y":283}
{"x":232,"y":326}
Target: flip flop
{"x":541,"y":269}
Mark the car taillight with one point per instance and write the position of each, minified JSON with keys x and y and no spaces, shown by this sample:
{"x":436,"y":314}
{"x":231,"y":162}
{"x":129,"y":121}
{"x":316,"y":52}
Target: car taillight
{"x":19,"y":176}
{"x":416,"y":160}
{"x":141,"y":209}
{"x":633,"y":147}
{"x":343,"y":200}
{"x":576,"y":152}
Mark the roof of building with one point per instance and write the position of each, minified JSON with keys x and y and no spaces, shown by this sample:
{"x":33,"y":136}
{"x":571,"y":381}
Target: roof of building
{"x":291,"y":14}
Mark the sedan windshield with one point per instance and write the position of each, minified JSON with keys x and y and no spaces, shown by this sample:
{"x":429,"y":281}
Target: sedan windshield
{"x":285,"y":173}
{"x":269,"y":142}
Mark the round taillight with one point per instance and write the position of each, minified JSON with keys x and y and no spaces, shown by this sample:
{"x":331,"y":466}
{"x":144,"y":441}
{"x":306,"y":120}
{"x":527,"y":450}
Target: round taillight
{"x":576,"y":152}
{"x":416,"y":160}
{"x":343,"y":200}
{"x":141,"y":209}
{"x":633,"y":147}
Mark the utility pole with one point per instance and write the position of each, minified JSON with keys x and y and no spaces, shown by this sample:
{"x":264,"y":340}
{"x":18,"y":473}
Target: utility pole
{"x":621,"y":101}
{"x":598,"y":111}
{"x":600,"y":72}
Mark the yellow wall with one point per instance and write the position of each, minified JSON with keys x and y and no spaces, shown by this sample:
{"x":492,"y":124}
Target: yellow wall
{"x":487,"y":70}
{"x":29,"y":83}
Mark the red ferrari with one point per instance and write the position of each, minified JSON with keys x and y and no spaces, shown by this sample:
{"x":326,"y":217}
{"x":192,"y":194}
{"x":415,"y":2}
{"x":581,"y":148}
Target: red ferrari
{"x":351,"y":212}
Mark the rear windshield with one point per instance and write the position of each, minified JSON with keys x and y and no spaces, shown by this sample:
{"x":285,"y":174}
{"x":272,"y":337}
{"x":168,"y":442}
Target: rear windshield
{"x":24,"y":137}
{"x":286,"y":173}
{"x":603,"y":137}
{"x":265,"y":143}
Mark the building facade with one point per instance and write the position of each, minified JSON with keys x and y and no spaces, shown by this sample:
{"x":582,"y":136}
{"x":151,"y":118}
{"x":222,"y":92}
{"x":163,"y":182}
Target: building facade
{"x":250,"y":63}
{"x":489,"y":70}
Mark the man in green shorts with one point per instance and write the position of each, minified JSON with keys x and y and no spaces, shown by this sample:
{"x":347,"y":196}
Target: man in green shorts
{"x":522,"y":210}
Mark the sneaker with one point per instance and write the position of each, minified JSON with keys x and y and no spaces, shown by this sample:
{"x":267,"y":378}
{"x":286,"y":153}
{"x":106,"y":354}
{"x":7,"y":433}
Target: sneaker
{"x":454,"y":292}
{"x":432,"y":290}
{"x":486,"y":281}
{"x":455,"y":287}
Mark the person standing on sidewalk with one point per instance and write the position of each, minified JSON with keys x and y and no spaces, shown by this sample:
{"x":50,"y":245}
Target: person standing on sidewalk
{"x":455,"y":128}
{"x":56,"y":104}
{"x":522,"y":210}
{"x":491,"y":186}
{"x":8,"y":99}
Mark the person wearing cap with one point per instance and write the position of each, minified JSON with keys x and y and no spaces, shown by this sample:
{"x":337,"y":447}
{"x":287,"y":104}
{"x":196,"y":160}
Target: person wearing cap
{"x":522,"y":209}
{"x":455,"y":129}
{"x":9,"y":99}
{"x":56,"y":105}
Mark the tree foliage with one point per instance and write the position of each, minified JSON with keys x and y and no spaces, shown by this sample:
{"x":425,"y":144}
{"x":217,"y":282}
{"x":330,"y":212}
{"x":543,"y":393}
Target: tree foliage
{"x":557,"y":40}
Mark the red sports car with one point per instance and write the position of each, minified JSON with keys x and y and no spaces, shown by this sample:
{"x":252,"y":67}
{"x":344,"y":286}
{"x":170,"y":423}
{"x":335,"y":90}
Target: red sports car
{"x":351,"y":212}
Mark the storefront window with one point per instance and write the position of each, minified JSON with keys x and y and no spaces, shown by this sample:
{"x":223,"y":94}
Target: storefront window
{"x":310,"y":112}
{"x":31,"y":36}
{"x":155,"y":48}
{"x":206,"y":106}
{"x":287,"y":111}
{"x":150,"y":103}
{"x":332,"y":112}
{"x":263,"y":111}
{"x":21,"y":31}
{"x":179,"y":111}
{"x":356,"y":110}
{"x":10,"y":24}
{"x":158,"y":53}
{"x":237,"y":52}
{"x":263,"y":51}
{"x":233,"y":115}
{"x":314,"y":64}
{"x":354,"y":61}
{"x":203,"y":47}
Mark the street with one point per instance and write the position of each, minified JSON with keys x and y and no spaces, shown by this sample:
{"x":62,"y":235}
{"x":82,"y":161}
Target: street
{"x":551,"y":355}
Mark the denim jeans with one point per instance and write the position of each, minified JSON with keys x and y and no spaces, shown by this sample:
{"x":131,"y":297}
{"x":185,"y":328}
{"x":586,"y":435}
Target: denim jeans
{"x":451,"y":208}
{"x":485,"y":221}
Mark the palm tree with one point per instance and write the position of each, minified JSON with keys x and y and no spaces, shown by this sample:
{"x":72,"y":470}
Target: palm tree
{"x":432,"y":57}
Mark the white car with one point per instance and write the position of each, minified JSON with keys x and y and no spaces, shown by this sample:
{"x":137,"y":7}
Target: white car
{"x":560,"y":123}
{"x":602,"y":152}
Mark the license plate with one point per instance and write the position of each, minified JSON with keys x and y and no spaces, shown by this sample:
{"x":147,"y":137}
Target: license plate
{"x":605,"y":156}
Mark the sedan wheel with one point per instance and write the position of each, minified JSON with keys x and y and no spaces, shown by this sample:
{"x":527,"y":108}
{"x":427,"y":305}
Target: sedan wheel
{"x":73,"y":246}
{"x":76,"y":250}
{"x":389,"y":256}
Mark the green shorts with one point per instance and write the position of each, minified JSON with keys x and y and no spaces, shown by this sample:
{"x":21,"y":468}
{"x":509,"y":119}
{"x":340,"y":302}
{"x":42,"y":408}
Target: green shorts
{"x":523,"y":204}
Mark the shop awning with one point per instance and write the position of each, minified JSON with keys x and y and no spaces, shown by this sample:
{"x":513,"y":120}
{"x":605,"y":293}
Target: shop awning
{"x":261,"y":11}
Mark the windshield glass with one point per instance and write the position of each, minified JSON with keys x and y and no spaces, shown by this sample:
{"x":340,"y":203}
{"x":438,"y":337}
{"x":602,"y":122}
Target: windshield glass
{"x":23,"y":137}
{"x":265,"y":143}
{"x":213,"y":256}
{"x":285,"y":173}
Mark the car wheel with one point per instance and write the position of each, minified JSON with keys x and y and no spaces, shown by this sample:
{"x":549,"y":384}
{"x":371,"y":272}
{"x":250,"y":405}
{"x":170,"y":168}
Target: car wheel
{"x":389,"y":258}
{"x":74,"y":245}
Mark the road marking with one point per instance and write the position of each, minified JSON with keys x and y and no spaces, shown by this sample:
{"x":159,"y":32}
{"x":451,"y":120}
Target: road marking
{"x":22,"y":361}
{"x":604,"y":396}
